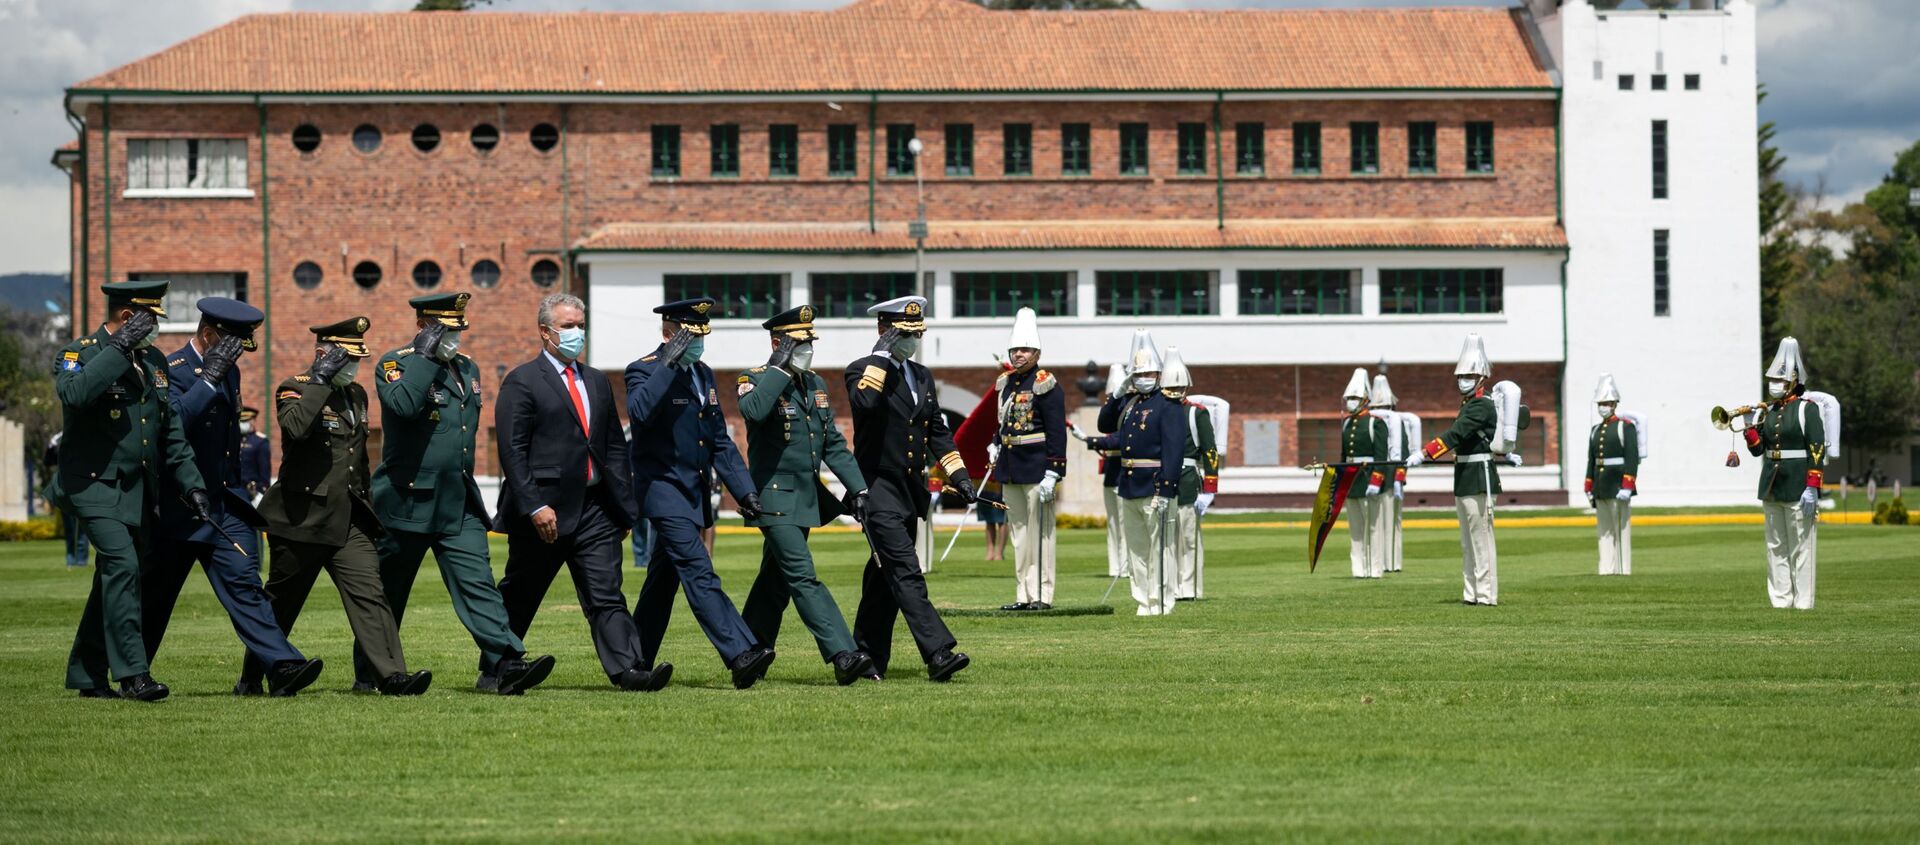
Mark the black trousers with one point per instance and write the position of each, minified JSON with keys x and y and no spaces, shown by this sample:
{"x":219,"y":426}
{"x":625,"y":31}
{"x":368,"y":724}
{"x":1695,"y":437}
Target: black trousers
{"x":892,"y":585}
{"x":592,"y":556}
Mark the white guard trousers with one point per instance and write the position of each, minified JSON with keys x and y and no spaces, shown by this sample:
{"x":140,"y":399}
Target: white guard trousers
{"x":1790,"y":555}
{"x":1367,"y":526}
{"x":1479,"y":564}
{"x":1151,"y":564}
{"x":1030,"y":526}
{"x":1616,"y":535}
{"x":1116,"y":535}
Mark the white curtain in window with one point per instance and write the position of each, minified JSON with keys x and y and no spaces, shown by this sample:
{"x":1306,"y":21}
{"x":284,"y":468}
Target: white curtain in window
{"x":185,"y":290}
{"x":236,"y":164}
{"x":137,"y":157}
{"x":176,"y":164}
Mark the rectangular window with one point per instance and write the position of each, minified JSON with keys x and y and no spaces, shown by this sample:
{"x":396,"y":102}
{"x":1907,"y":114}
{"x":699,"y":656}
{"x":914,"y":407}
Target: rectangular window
{"x":1479,"y":147}
{"x":1250,"y":149}
{"x":1319,"y":439}
{"x":1133,"y":293}
{"x":1450,"y":290}
{"x":1192,"y":148}
{"x":1133,"y":149}
{"x":1016,"y":149}
{"x":843,"y":150}
{"x":666,"y":150}
{"x":1423,"y":140}
{"x":899,"y":154}
{"x":1076,"y":149}
{"x":1660,"y":272}
{"x":741,"y":296}
{"x":1659,"y":159}
{"x":1306,"y":148}
{"x":724,"y":141}
{"x":1279,"y":292}
{"x":959,"y":149}
{"x":783,"y":150}
{"x":1365,"y":140}
{"x":187,"y":164}
{"x":849,"y":294}
{"x":1691,"y":82}
{"x":1049,"y":294}
{"x":185,"y":290}
{"x":1626,"y":82}
{"x":1658,"y":82}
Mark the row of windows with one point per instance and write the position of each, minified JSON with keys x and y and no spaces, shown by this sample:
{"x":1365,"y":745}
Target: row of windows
{"x":1658,"y":81}
{"x":484,"y":137}
{"x":1117,"y":293}
{"x":427,"y":275}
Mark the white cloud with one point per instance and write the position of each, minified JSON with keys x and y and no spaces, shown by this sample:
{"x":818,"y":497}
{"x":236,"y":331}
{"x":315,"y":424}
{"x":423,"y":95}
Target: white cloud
{"x":34,"y":220}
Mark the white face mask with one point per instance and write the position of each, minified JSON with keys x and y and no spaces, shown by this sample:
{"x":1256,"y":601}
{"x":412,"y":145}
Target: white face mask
{"x":449,"y":345}
{"x":906,"y":347}
{"x":1145,"y":384}
{"x":346,"y":374}
{"x":1776,"y":389}
{"x":1353,"y":405}
{"x":803,"y":356}
{"x":246,"y":428}
{"x":1465,"y":384}
{"x":1605,"y":411}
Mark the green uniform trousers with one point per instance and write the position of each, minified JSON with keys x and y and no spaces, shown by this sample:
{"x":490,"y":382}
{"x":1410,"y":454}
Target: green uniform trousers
{"x":786,"y":572}
{"x":463,"y":559}
{"x":109,"y":636}
{"x":355,"y":569}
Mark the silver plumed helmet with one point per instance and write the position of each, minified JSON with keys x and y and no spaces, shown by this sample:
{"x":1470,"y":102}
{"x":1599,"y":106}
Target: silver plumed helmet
{"x":1145,"y":357}
{"x":1787,"y":363}
{"x":1382,"y":396}
{"x":1606,"y":390}
{"x":1473,"y":359}
{"x":1357,"y":385}
{"x":1173,"y":374}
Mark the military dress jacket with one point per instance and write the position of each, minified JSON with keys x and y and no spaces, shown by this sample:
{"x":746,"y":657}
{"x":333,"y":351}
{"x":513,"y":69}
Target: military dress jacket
{"x":1108,"y":445}
{"x":790,"y":435}
{"x":429,"y":421}
{"x":1033,"y":427}
{"x":1200,"y":469}
{"x":210,"y":417}
{"x":1471,"y":436}
{"x":1792,"y":439}
{"x":256,"y":463}
{"x":324,"y":482}
{"x":120,"y":436}
{"x":1152,"y":437}
{"x":897,"y":434}
{"x":1364,"y":439}
{"x":1613,"y":458}
{"x":680,"y":440}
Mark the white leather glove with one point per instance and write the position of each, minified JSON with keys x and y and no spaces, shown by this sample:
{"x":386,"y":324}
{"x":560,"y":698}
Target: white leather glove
{"x":933,"y":499}
{"x":1415,"y":459}
{"x":993,"y":453}
{"x":1513,"y":458}
{"x":1399,"y":491}
{"x":1624,"y":494}
{"x":1046,"y":486}
{"x":1201,"y":503}
{"x":1810,"y":502}
{"x":1590,"y":502}
{"x":1156,"y":504}
{"x":1075,"y":432}
{"x":1373,"y":490}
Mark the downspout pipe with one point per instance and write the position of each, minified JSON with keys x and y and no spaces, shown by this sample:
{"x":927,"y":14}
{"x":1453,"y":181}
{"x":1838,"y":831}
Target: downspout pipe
{"x":1219,"y":169}
{"x":1560,"y":386}
{"x":266,"y":273}
{"x":566,"y":195}
{"x":106,"y":186}
{"x":82,"y":280}
{"x":873,"y":174}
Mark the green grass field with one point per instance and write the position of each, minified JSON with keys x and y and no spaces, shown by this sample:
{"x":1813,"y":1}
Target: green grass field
{"x":1674,"y":705}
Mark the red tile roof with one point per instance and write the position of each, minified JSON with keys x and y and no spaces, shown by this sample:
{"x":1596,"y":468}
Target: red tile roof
{"x":869,"y":46}
{"x":946,"y":236}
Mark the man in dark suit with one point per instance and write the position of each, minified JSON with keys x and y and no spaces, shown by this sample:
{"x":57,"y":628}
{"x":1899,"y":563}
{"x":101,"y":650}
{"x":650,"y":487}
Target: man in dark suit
{"x":565,"y":496}
{"x":679,"y":434}
{"x":896,"y":426}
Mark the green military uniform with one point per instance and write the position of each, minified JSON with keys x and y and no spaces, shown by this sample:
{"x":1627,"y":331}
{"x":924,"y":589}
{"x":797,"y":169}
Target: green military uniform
{"x":120,"y":434}
{"x":790,"y":435}
{"x":1791,"y":437}
{"x":1199,"y":473}
{"x":1475,"y":479}
{"x":1613,"y":458}
{"x":1470,"y":437}
{"x":423,"y":490}
{"x":319,"y":515}
{"x":1365,"y":439}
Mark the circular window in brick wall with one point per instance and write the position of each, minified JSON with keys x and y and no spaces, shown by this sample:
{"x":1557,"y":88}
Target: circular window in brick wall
{"x":306,"y":137}
{"x":366,"y":274}
{"x":426,"y":137}
{"x":307,"y":275}
{"x":484,"y":138}
{"x":426,"y":274}
{"x":486,"y":274}
{"x":544,"y":137}
{"x":546,"y":273}
{"x":366,"y":137}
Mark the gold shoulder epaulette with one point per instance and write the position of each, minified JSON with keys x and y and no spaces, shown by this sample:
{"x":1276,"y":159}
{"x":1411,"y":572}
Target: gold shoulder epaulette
{"x":176,"y":362}
{"x":402,"y":352}
{"x":1044,"y":381}
{"x":303,"y":378}
{"x":760,"y":369}
{"x":649,"y":358}
{"x":87,"y":341}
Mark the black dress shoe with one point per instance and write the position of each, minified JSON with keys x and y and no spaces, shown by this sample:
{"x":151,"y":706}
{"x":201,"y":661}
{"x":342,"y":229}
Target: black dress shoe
{"x":751,"y":666}
{"x":143,"y":687}
{"x":403,"y":683}
{"x":1019,"y":605}
{"x":518,"y":674}
{"x":99,"y":692}
{"x":944,"y":664}
{"x":487,"y":683}
{"x":850,"y":666}
{"x":291,"y":676}
{"x":248,"y":688}
{"x":1039,"y":605}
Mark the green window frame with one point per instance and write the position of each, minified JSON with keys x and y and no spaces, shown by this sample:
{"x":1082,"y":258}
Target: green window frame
{"x":1016,"y":149}
{"x":1191,"y":144}
{"x":843,"y":150}
{"x":1449,"y":290}
{"x":1479,"y":146}
{"x":1423,"y":142}
{"x":850,"y":294}
{"x":1076,"y":149}
{"x":1306,"y":148}
{"x":900,"y":159}
{"x":1133,"y":149}
{"x":666,"y":150}
{"x":1001,"y":294}
{"x":783,"y":150}
{"x":1162,"y":293}
{"x":1269,"y":293}
{"x":1250,"y":149}
{"x":723,"y":141}
{"x":740,"y":296}
{"x":1364,"y":138}
{"x":959,"y":149}
{"x":1662,"y":299}
{"x":1659,"y":159}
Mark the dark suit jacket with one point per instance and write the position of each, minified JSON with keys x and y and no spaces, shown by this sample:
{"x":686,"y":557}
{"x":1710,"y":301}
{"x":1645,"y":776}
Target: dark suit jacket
{"x":679,"y":441}
{"x":544,"y":454}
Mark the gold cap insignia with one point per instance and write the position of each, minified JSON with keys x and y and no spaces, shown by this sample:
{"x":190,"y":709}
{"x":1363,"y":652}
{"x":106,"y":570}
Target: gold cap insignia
{"x":362,"y":324}
{"x":913,"y":309}
{"x":806,"y":313}
{"x":702,"y":307}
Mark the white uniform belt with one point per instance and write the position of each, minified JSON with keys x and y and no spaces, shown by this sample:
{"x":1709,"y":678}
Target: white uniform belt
{"x":1140,"y":463}
{"x":1787,"y":454}
{"x":1024,"y":439}
{"x":1481,"y":458}
{"x":1359,"y":460}
{"x":1191,"y":462}
{"x":1613,"y":462}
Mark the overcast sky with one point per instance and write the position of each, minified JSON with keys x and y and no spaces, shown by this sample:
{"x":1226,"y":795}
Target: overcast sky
{"x":1843,"y":77}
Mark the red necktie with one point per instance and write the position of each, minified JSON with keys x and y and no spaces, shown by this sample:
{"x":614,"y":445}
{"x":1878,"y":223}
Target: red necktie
{"x":580,"y":410}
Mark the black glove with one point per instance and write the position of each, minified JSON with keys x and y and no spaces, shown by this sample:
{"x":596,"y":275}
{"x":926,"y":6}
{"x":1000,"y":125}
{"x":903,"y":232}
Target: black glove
{"x":427,"y":342}
{"x":750,"y":506}
{"x":856,"y":503}
{"x":965,"y":489}
{"x":885,"y":344}
{"x":328,"y":365}
{"x":131,"y":332}
{"x":782,"y":353}
{"x":676,"y":347}
{"x":202,"y":506}
{"x":219,"y":361}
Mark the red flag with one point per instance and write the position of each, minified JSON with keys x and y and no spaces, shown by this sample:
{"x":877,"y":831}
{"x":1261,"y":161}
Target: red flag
{"x":973,"y":435}
{"x":1335,"y":481}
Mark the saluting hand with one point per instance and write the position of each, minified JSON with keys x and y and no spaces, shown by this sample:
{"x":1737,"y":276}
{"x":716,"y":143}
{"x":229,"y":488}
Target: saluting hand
{"x":884,"y":346}
{"x":427,"y":342}
{"x":328,"y":364}
{"x":219,"y":361}
{"x":133,"y":330}
{"x":676,"y":347}
{"x":782,"y":353}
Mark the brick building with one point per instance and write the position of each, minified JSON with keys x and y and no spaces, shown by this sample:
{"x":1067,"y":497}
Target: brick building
{"x":1283,"y":194}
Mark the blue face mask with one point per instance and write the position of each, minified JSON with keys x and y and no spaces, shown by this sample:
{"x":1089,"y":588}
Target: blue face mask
{"x":692,"y":355}
{"x":570,"y":342}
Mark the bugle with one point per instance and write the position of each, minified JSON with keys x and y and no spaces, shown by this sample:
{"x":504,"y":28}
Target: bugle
{"x":1734,"y":420}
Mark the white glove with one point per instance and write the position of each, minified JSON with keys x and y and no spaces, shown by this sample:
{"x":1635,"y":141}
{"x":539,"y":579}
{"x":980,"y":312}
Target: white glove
{"x":1156,"y":504}
{"x":993,"y":453}
{"x":1513,"y":458}
{"x":933,"y":499}
{"x":1590,"y":502}
{"x":1416,"y":459}
{"x":1399,"y":491}
{"x":1076,"y":433}
{"x":1624,"y":494}
{"x":1201,"y":503}
{"x":1373,"y":490}
{"x":1810,"y":502}
{"x":1046,"y":486}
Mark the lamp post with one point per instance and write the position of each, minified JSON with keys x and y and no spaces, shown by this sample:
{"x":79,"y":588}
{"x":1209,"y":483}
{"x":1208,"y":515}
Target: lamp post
{"x":918,"y":228}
